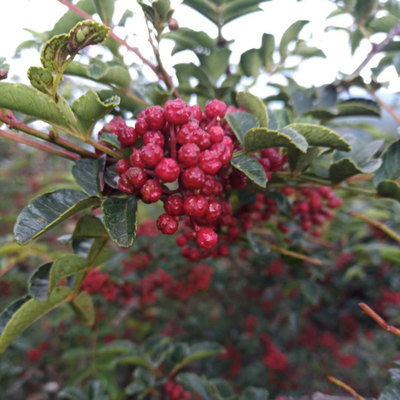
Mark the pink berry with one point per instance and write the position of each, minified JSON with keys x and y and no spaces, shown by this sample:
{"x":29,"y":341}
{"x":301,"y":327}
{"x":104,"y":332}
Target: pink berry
{"x":216,"y":134}
{"x":122,"y":166}
{"x":173,"y":205}
{"x":177,"y":112}
{"x":195,"y":206}
{"x":127,"y":136}
{"x":215,"y":108}
{"x":137,"y":176}
{"x":193,"y":178}
{"x":189,"y":154}
{"x":155,"y":137}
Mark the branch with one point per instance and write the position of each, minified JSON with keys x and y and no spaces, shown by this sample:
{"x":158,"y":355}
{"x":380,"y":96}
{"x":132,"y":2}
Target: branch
{"x":13,"y":123}
{"x":41,"y":146}
{"x":377,"y":224}
{"x":346,"y":387}
{"x":379,"y":320}
{"x":376,"y":48}
{"x":84,"y":14}
{"x":386,"y":106}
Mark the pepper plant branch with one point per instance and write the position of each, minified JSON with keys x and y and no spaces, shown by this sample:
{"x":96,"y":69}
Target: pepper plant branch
{"x":38,"y":145}
{"x":84,"y":14}
{"x":13,"y":123}
{"x":346,"y":387}
{"x":376,"y":48}
{"x":377,"y":224}
{"x":384,"y":105}
{"x":379,"y":320}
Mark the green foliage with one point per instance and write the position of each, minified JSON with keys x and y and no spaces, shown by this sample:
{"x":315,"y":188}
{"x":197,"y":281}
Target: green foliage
{"x":251,"y":168}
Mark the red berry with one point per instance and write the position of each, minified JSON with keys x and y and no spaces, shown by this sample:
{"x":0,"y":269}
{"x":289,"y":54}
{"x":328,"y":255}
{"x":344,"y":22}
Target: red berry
{"x":135,"y":160}
{"x":181,"y":240}
{"x":238,"y":179}
{"x":122,"y":166}
{"x":209,"y":162}
{"x":209,"y":186}
{"x":127,"y":136}
{"x":124,"y":185}
{"x":204,"y":140}
{"x":173,"y":205}
{"x":141,"y":126}
{"x":189,"y":154}
{"x":137,"y":176}
{"x":215,"y":108}
{"x":168,"y":170}
{"x":151,"y":154}
{"x":188,"y":133}
{"x":196,"y":113}
{"x":177,"y":112}
{"x":206,"y":238}
{"x":155,"y":137}
{"x":193,"y":178}
{"x":151,"y":191}
{"x":195,"y":206}
{"x":154,"y":117}
{"x":216,"y":134}
{"x":167,"y":224}
{"x":214,"y":210}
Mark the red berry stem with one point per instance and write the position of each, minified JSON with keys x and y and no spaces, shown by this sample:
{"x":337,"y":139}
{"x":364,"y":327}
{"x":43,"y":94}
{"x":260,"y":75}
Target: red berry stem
{"x":172,"y":138}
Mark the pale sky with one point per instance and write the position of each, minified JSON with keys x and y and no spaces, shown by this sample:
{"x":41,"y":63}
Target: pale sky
{"x":277,"y":15}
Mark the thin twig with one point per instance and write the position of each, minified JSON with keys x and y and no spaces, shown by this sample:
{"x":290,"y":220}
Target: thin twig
{"x":41,"y":146}
{"x":379,"y":320}
{"x":84,"y":14}
{"x":384,"y":105}
{"x":13,"y":123}
{"x":346,"y":387}
{"x":377,"y":224}
{"x":376,"y":48}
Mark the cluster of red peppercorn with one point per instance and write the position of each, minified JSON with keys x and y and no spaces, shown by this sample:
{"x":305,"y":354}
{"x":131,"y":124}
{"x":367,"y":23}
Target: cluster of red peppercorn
{"x":175,"y":391}
{"x":181,"y":155}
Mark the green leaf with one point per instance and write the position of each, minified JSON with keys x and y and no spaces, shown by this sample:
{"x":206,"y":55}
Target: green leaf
{"x":64,"y":267}
{"x":253,"y":105}
{"x":120,"y":219}
{"x":135,"y":388}
{"x":111,"y":140}
{"x":391,"y":392}
{"x":389,"y":189}
{"x":98,"y":391}
{"x":289,"y":35}
{"x":204,"y":7}
{"x":41,"y":79}
{"x":105,"y":9}
{"x":346,"y":167}
{"x":317,"y":135}
{"x":87,"y":173}
{"x":89,"y":109}
{"x":238,"y":8}
{"x":252,"y":169}
{"x":89,"y":228}
{"x":390,"y":168}
{"x":241,"y":123}
{"x":134,"y":357}
{"x":86,"y":33}
{"x":126,"y":103}
{"x":188,"y":39}
{"x":72,"y":394}
{"x":365,"y":9}
{"x":382,"y":24}
{"x":117,"y":347}
{"x":48,"y":210}
{"x":6,"y":314}
{"x":197,"y":384}
{"x":278,"y":119}
{"x":157,"y":347}
{"x":27,"y":313}
{"x":216,"y":63}
{"x":250,"y":62}
{"x":145,"y":376}
{"x":199,"y":351}
{"x":32,"y":102}
{"x":299,"y":161}
{"x":252,"y":393}
{"x":306,"y":51}
{"x":39,"y":282}
{"x":267,"y":50}
{"x":84,"y":308}
{"x":162,"y":8}
{"x":261,"y":138}
{"x":55,"y":52}
{"x":111,"y":177}
{"x":99,"y":71}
